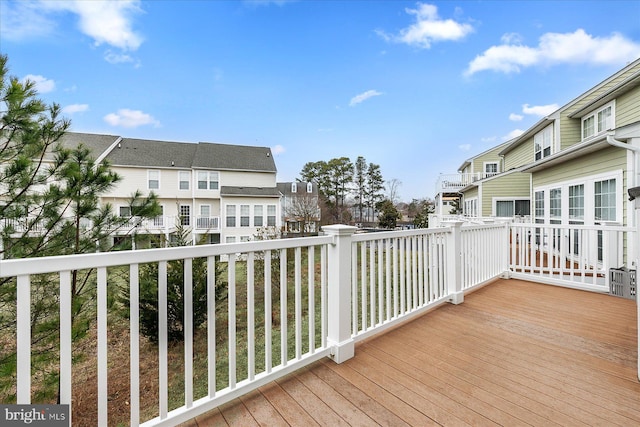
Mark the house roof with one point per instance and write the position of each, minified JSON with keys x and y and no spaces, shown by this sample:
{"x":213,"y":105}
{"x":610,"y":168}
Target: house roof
{"x":301,"y":188}
{"x":249,"y":191}
{"x":96,"y":143}
{"x":121,"y":151}
{"x":624,"y":86}
{"x":470,"y":159}
{"x":542,"y":123}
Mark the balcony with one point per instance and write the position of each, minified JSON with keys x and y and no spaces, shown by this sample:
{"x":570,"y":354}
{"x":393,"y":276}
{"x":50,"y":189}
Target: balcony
{"x":316,"y":331}
{"x":452,"y":183}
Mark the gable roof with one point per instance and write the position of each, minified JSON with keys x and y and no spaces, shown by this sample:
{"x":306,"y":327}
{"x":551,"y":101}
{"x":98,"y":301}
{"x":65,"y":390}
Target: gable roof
{"x":249,"y":191}
{"x":121,"y":151}
{"x":470,"y":159}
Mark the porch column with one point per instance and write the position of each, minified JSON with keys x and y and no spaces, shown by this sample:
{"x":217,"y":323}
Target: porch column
{"x":454,"y":263}
{"x":339,"y":292}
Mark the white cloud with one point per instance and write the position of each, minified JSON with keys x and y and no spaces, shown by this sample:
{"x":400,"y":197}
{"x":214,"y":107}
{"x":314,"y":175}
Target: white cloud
{"x":428,"y":28}
{"x":363,"y":97}
{"x":539,"y":110}
{"x":106,"y":21}
{"x":465,"y":147}
{"x":515,"y":117}
{"x":117,"y":58}
{"x":513,"y":134}
{"x":556,"y":48}
{"x":43,"y":85}
{"x":488,"y":139}
{"x":130,"y":118}
{"x":23,"y":20}
{"x":277,"y":150}
{"x":75,"y":108}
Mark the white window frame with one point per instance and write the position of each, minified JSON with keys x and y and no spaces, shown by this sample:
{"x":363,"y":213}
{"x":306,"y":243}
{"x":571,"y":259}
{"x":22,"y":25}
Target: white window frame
{"x":228,"y":215}
{"x":185,"y":219}
{"x":211,"y":180}
{"x":589,"y":196}
{"x":495,"y":200}
{"x":181,"y":176}
{"x":258,"y":215}
{"x":150,"y":179}
{"x":272,"y":220}
{"x":488,"y":173}
{"x":543,"y":141}
{"x":598,"y":127}
{"x":471,"y":207}
{"x":309,"y":187}
{"x":294,"y":187}
{"x":245,"y":215}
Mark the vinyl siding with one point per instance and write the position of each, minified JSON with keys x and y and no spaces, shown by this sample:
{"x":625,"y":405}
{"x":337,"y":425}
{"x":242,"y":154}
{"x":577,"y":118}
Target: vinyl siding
{"x":490,"y":156}
{"x":514,"y":186}
{"x":570,"y":131}
{"x":628,"y":108}
{"x":521,"y":155}
{"x":471,"y":193}
{"x":591,"y":96}
{"x":606,"y":160}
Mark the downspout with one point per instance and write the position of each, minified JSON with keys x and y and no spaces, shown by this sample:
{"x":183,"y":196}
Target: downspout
{"x":611,"y":140}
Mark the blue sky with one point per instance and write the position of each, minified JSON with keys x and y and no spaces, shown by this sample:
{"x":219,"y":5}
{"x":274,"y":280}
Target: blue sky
{"x":416,"y":87}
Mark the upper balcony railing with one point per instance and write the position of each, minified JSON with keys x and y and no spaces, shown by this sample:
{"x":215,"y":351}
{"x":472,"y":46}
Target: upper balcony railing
{"x":451,"y":183}
{"x":286,"y":303}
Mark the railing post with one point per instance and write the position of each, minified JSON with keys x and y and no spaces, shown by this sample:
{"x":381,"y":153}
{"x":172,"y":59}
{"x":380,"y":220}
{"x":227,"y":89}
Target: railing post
{"x":339,"y":292}
{"x":454,"y":263}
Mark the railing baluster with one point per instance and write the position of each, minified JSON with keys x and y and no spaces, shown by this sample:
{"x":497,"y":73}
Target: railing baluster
{"x":211,"y":326}
{"x":102,"y":346}
{"x":251,"y":327}
{"x":387,"y":260}
{"x":363,"y":285}
{"x":380,"y":252}
{"x":163,"y":380}
{"x":268,"y":312}
{"x":323,"y":296}
{"x":188,"y":332}
{"x":283,"y":308}
{"x":372,"y":284}
{"x":298,"y":301}
{"x":311,"y":298}
{"x":231,"y":298}
{"x":354,"y":288}
{"x":134,"y":344}
{"x":65,"y":339}
{"x":23,"y":350}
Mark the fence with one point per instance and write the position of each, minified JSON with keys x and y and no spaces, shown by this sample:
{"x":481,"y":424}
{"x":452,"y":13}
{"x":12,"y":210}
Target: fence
{"x":286,"y":303}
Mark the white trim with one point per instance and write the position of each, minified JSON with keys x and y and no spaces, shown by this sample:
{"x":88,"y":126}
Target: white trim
{"x":149,"y":171}
{"x":188,"y":180}
{"x":589,"y":204}
{"x":484,"y":167}
{"x":594,"y":114}
{"x":513,"y":199}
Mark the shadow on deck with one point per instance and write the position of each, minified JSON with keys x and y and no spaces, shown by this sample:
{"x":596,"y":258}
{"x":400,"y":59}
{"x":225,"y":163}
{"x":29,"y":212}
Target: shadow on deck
{"x":514,"y":353}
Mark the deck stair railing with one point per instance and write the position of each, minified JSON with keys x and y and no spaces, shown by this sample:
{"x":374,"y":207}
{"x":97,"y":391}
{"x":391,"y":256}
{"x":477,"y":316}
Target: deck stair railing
{"x":287,"y":302}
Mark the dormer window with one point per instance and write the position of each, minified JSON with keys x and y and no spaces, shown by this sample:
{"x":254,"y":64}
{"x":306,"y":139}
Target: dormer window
{"x":309,"y":187}
{"x":294,"y":187}
{"x":542,"y":143}
{"x":599,"y":121}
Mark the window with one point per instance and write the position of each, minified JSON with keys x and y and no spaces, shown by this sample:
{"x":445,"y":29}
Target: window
{"x":124,"y":211}
{"x":231,"y":215}
{"x":555,"y":205}
{"x":539,"y":204}
{"x":542,"y":143}
{"x":257,"y":216}
{"x":204,"y":219}
{"x":244,"y":215}
{"x":309,"y":187}
{"x":294,"y":187}
{"x":509,"y":208}
{"x":230,"y":239}
{"x":271,"y":215}
{"x":185,"y":214}
{"x":605,"y":200}
{"x":159,"y":220}
{"x":245,"y":238}
{"x":576,"y":202}
{"x":598,"y":122}
{"x":207,"y":180}
{"x":471,"y":207}
{"x":605,"y":207}
{"x":491,"y":168}
{"x":184,"y":180}
{"x":153,"y":180}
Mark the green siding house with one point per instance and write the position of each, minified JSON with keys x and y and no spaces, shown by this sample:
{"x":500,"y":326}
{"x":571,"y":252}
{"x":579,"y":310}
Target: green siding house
{"x":573,"y":166}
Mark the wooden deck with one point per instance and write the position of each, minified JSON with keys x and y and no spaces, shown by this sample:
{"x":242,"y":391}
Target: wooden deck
{"x":514,"y":353}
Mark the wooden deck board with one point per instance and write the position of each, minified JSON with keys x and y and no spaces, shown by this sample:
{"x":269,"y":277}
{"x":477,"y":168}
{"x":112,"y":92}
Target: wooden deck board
{"x":514,"y":353}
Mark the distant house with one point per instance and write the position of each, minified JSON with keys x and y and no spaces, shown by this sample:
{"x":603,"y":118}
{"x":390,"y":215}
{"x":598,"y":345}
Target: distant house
{"x":299,"y":207}
{"x":572,"y":167}
{"x":219,"y":192}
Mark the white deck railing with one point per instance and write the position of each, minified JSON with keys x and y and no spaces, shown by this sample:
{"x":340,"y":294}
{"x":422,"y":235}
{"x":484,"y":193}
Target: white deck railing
{"x":453,"y":182}
{"x":332,"y":291}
